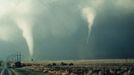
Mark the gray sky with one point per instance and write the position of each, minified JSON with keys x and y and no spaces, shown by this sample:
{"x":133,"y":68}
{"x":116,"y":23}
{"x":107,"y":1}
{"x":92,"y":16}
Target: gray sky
{"x":67,"y":29}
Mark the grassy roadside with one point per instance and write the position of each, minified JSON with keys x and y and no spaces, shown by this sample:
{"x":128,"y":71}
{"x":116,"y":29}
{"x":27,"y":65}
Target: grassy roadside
{"x":21,"y":71}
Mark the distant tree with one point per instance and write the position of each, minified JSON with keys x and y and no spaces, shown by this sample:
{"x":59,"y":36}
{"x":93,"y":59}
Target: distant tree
{"x":18,"y":64}
{"x":71,"y":64}
{"x":63,"y":64}
{"x":54,"y":64}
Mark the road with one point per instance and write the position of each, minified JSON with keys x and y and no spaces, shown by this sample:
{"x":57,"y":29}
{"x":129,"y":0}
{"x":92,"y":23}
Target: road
{"x":5,"y":70}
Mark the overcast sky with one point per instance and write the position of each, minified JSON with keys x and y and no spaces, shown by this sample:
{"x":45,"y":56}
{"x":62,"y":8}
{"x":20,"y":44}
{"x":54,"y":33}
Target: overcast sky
{"x":67,"y":29}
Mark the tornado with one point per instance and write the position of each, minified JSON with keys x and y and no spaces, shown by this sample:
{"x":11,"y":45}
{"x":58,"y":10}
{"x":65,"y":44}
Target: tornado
{"x":89,"y":15}
{"x":26,"y":27}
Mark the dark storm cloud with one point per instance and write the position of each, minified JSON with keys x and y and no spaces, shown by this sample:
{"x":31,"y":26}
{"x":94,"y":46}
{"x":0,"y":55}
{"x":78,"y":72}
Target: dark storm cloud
{"x":113,"y":32}
{"x":60,"y":29}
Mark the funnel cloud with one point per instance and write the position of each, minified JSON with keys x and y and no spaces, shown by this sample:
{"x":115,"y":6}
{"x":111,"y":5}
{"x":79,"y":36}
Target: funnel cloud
{"x":26,"y":29}
{"x":17,"y":13}
{"x":89,"y":15}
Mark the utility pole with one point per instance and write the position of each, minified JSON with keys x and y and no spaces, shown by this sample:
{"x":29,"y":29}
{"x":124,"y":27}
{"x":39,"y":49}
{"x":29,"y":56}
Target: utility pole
{"x":18,"y":57}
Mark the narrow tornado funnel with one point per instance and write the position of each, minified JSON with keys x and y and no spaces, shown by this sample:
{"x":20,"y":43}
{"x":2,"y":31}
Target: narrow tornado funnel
{"x":89,"y":15}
